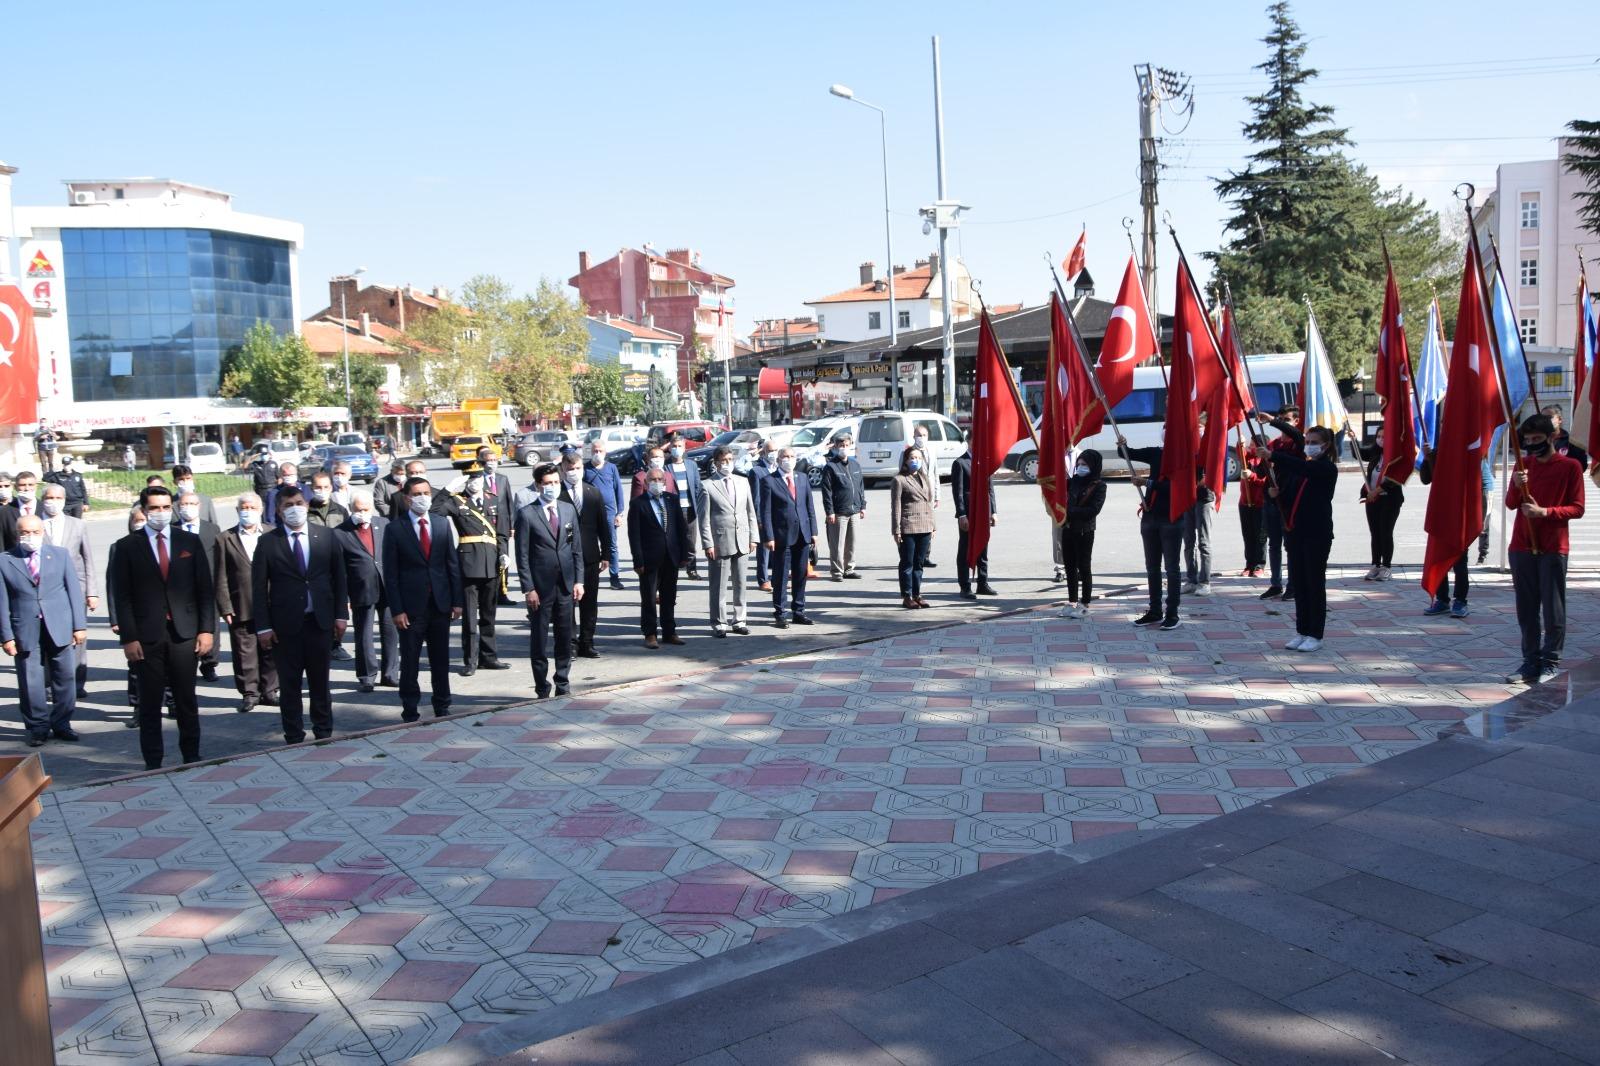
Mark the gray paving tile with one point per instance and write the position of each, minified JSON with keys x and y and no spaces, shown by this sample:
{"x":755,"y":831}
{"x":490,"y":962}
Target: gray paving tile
{"x":921,"y":1023}
{"x":1249,"y":1029}
{"x":1405,"y":908}
{"x":1477,"y":849}
{"x":1535,"y":1011}
{"x":1505,"y":795}
{"x":1535,"y":1055}
{"x":1533,"y":828}
{"x":1101,"y":957}
{"x":1562,"y":782}
{"x":1025,"y":1054}
{"x":716,"y":1058}
{"x":1583,"y":882}
{"x":1061,"y":1015}
{"x":825,"y":1040}
{"x":1287,"y":868}
{"x":1407,"y":1026}
{"x":1584,"y":926}
{"x":1546,"y":956}
{"x":1584,"y":812}
{"x":1562,"y":758}
{"x":1253,"y":959}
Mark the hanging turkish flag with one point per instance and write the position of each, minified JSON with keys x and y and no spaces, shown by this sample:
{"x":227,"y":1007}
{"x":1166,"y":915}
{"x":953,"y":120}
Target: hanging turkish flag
{"x":1224,"y":411}
{"x":1130,"y":341}
{"x":1191,"y":348}
{"x":1073,"y":265}
{"x":998,"y":421}
{"x":1191,"y":332}
{"x":19,"y":359}
{"x":1067,"y":393}
{"x":1393,"y":384}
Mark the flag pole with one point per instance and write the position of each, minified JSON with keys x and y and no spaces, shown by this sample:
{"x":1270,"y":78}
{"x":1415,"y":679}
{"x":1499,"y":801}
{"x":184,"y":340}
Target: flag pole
{"x":1083,"y":356}
{"x":1311,"y":318}
{"x":1256,"y":436}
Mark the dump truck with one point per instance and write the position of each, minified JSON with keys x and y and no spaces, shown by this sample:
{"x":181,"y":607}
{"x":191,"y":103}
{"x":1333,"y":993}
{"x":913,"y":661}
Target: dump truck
{"x":459,"y":431}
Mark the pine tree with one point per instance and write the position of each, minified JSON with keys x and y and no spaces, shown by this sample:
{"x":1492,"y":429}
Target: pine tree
{"x":1583,"y":159}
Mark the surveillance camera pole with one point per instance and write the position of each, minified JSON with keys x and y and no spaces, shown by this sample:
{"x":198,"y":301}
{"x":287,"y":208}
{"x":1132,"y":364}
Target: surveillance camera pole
{"x":947,"y":312}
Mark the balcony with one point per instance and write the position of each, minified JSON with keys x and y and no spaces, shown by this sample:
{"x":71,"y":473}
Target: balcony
{"x":711,"y":300}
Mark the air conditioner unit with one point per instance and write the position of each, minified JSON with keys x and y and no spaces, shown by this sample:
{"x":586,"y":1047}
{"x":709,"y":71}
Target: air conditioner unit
{"x":82,"y":196}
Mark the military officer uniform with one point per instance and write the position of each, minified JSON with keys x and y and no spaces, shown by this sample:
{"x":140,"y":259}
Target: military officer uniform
{"x":482,"y":526}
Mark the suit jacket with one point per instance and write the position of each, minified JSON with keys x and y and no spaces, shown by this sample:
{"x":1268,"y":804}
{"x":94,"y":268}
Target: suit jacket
{"x":911,"y":503}
{"x":72,"y":483}
{"x":58,"y":598}
{"x":961,"y":486}
{"x":383,"y":491}
{"x":233,"y":579}
{"x":279,"y":589}
{"x":639,"y":476}
{"x":788,"y":519}
{"x":505,"y":514}
{"x":727,"y":519}
{"x":594,"y":524}
{"x":208,"y":510}
{"x":363,"y":571}
{"x":653,"y":545}
{"x":209,"y":535}
{"x":74,"y":540}
{"x":8,"y":527}
{"x":411,"y":582}
{"x":551,"y":563}
{"x":145,"y":603}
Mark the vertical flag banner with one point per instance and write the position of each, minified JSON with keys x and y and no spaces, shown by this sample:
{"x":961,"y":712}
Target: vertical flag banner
{"x":1320,"y":403}
{"x":1067,"y":393}
{"x":1130,"y":341}
{"x":1584,"y":425}
{"x":1223,"y":412}
{"x":1509,"y":343}
{"x":998,"y":421}
{"x":19,"y":359}
{"x":1431,"y":379}
{"x":1181,"y":441}
{"x":1393,"y":384}
{"x":1074,"y":263}
{"x":1475,"y":411}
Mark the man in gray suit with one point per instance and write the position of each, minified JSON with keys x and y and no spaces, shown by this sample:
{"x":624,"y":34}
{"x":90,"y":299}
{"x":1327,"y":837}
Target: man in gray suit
{"x":550,"y":568}
{"x":42,"y":625}
{"x":61,"y":530}
{"x":729,"y":532}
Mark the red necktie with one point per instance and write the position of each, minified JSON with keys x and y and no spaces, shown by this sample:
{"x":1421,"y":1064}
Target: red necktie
{"x":793,"y":495}
{"x":425,"y":537}
{"x":33,"y":568}
{"x":555,"y":524}
{"x":161,"y":554}
{"x":365,"y":533}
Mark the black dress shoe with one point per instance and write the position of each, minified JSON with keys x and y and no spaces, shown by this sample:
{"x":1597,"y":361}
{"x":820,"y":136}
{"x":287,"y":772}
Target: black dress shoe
{"x":782,"y":623}
{"x":342,"y":655}
{"x":468,"y":671}
{"x":803,"y":620}
{"x":672,"y":638}
{"x":720,"y":633}
{"x":617,"y":584}
{"x":852,"y":576}
{"x":35,"y":740}
{"x":148,"y":765}
{"x":563,"y":690}
{"x":541,"y":693}
{"x":409,"y":716}
{"x":83,"y":693}
{"x":209,"y":672}
{"x":929,"y":565}
{"x":587,"y":652}
{"x":743,"y":631}
{"x":442,"y":714}
{"x":132,"y":722}
{"x":968,"y":594}
{"x":506,"y":601}
{"x":366,"y":686}
{"x":1149,"y":618}
{"x":987,"y":590}
{"x":694,"y":574}
{"x":270,"y":700}
{"x":66,"y":733}
{"x":322,"y":736}
{"x":386,"y":683}
{"x":496,"y":665}
{"x":246,"y":705}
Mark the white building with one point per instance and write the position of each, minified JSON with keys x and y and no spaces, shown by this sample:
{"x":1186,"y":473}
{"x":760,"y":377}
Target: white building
{"x":859,"y":313}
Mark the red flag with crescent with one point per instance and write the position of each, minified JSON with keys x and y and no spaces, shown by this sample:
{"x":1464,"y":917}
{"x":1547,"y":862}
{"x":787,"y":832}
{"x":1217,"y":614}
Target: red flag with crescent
{"x":19,"y":359}
{"x":1068,"y":392}
{"x":1075,"y":262}
{"x":1130,"y":341}
{"x":998,"y":421}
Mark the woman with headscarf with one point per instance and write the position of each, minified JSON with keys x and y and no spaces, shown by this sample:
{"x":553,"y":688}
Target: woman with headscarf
{"x":1086,"y":495}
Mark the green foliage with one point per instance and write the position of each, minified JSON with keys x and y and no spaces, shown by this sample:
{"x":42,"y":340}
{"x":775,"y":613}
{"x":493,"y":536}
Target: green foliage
{"x":600,"y":391}
{"x":366,"y":378}
{"x":1583,"y":159}
{"x":661,"y":403}
{"x":1308,"y":222}
{"x":274,"y":371}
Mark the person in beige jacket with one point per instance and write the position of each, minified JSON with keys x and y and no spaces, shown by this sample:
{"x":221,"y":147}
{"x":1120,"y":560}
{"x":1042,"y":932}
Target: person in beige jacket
{"x":729,"y":531}
{"x":911,"y":498}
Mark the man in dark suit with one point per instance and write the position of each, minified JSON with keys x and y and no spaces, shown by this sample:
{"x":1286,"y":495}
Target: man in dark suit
{"x":255,"y":673}
{"x":961,"y":493}
{"x":386,"y":488}
{"x":165,"y":610}
{"x":597,"y":533}
{"x":360,"y":538}
{"x":422,"y":581}
{"x":550,"y":568}
{"x":43,"y":625}
{"x":480,"y":547}
{"x":8,"y":514}
{"x":658,"y":540}
{"x":191,"y":520}
{"x":298,"y":589}
{"x":763,"y":465}
{"x":789,"y":530}
{"x":183,"y":483}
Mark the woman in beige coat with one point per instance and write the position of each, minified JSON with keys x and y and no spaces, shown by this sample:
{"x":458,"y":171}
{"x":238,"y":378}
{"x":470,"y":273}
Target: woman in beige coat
{"x":911,"y":521}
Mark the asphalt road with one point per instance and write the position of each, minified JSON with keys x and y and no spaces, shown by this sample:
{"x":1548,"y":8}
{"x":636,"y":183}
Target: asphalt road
{"x":845,"y":612}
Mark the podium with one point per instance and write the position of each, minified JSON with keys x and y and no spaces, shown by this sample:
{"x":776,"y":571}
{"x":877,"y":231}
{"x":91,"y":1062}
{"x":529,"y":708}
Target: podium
{"x":25,"y":1019}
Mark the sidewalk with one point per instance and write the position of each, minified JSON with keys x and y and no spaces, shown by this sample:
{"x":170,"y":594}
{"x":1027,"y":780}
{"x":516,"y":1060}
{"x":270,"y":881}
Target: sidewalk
{"x":370,"y":899}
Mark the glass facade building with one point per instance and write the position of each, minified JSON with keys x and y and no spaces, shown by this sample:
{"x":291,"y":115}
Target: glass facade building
{"x":152,"y":313}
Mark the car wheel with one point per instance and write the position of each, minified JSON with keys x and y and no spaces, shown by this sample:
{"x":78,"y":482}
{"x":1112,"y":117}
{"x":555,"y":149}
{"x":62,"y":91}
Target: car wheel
{"x":814,"y":475}
{"x":1029,"y":468}
{"x":1233,"y":468}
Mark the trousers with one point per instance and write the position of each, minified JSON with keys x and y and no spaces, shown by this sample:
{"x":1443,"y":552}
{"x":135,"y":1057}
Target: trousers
{"x":1197,"y":542}
{"x":1077,"y":557}
{"x":386,"y":663}
{"x":1161,"y":543}
{"x":1540,"y":583}
{"x":789,"y":576}
{"x":553,"y":612}
{"x":47,"y":685}
{"x":430,"y":629}
{"x":964,"y":571}
{"x":477,"y":620}
{"x":1254,"y":532}
{"x":1463,"y":581}
{"x":728,"y":585}
{"x":658,"y":582}
{"x":1382,"y":514}
{"x":842,"y":545}
{"x":1308,"y":560}
{"x":168,"y":663}
{"x":589,"y":607}
{"x":303,"y":658}
{"x":913,"y":557}
{"x":1272,"y":519}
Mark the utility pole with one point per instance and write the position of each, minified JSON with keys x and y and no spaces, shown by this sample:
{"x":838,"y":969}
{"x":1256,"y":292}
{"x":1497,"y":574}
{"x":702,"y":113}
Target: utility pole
{"x":1149,"y":105}
{"x":948,"y":362}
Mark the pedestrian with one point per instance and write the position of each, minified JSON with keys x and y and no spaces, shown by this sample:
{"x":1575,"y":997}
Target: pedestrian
{"x":129,"y":459}
{"x":166,"y":610}
{"x":930,"y":465}
{"x":236,"y":449}
{"x":911,"y":522}
{"x":1560,"y":442}
{"x":1197,"y":532}
{"x":183,"y":482}
{"x":844,"y":501}
{"x":189,"y":521}
{"x":764,"y":464}
{"x":302,"y":606}
{"x":386,"y":488}
{"x":1382,"y":496}
{"x":422,"y":579}
{"x":255,"y":673}
{"x":1290,"y":439}
{"x":657,"y":541}
{"x":1444,"y":600}
{"x":1163,"y":538}
{"x":1306,"y":486}
{"x":1086,"y":495}
{"x":1547,"y":493}
{"x":729,"y":530}
{"x":71,"y":535}
{"x":479,"y":549}
{"x":961,"y":497}
{"x":788,"y":518}
{"x":1252,"y":508}
{"x":360,"y":541}
{"x":686,"y":483}
{"x":321,"y":509}
{"x":26,"y":499}
{"x":75,"y":491}
{"x":45,"y":439}
{"x":43,"y":626}
{"x":601,"y":474}
{"x":550,"y":571}
{"x":597,"y":535}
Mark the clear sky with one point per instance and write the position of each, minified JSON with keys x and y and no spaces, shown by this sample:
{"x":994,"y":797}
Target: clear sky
{"x":429,"y":142}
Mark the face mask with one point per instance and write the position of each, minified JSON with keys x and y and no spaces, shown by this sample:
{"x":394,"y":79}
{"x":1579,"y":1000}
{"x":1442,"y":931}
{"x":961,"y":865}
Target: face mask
{"x":677,"y":451}
{"x":490,"y":466}
{"x":31,"y":543}
{"x":724,"y":469}
{"x":398,"y":478}
{"x":770,"y":458}
{"x":291,"y":479}
{"x":572,"y":477}
{"x":914,"y":465}
{"x":1535,"y":450}
{"x":338,"y":481}
{"x":421,"y":504}
{"x":475,"y":487}
{"x":1313,"y":450}
{"x":249,"y":517}
{"x":598,"y":459}
{"x":5,"y":494}
{"x":921,"y":441}
{"x":361,"y":518}
{"x":295,"y":515}
{"x":656,"y":487}
{"x":1081,"y":471}
{"x":52,"y":506}
{"x":25,"y":494}
{"x":185,"y":486}
{"x":656,"y":462}
{"x":189,"y":513}
{"x":838,"y":453}
{"x":786,"y":465}
{"x":550,"y":493}
{"x":319,"y":495}
{"x":158,"y":520}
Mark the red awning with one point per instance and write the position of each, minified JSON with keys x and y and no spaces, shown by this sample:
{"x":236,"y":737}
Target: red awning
{"x":772,"y":385}
{"x":392,"y":409}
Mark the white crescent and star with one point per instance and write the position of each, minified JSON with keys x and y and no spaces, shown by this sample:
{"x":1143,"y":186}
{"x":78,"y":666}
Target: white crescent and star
{"x":1124,"y":312}
{"x":9,"y":347}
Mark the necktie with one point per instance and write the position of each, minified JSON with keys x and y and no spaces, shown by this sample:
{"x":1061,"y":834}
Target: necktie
{"x":792,"y":494}
{"x":299,"y":552}
{"x":661,"y":516}
{"x":364,"y":533}
{"x":555,"y":523}
{"x":27,"y":507}
{"x":161,"y":554}
{"x":424,"y":537}
{"x":33,"y":568}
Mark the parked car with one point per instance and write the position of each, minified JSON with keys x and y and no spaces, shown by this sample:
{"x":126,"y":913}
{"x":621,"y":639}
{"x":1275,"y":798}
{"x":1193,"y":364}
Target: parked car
{"x":464,"y":450}
{"x":884,"y":436}
{"x":733,"y":438}
{"x":354,"y":436}
{"x":540,"y":446}
{"x":613,"y":436}
{"x":695,"y":434}
{"x":811,"y":441}
{"x":363,"y":467}
{"x":623,"y":459}
{"x":280,"y":450}
{"x":207,"y":458}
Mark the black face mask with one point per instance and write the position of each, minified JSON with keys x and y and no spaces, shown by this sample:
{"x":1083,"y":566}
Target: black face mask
{"x":1536,"y":450}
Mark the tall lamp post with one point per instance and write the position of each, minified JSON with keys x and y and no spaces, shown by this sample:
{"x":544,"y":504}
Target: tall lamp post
{"x":344,"y":322}
{"x":844,"y":92}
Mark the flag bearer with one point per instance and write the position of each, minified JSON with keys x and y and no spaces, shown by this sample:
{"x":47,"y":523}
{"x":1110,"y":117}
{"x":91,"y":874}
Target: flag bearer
{"x":1546,"y":493}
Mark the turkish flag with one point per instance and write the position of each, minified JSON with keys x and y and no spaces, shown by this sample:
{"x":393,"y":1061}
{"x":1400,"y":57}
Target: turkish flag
{"x":1473,"y":410}
{"x":1191,"y":332}
{"x":998,"y":422}
{"x":1068,"y":393}
{"x":19,"y":359}
{"x":1392,"y":381}
{"x":1191,"y":347}
{"x":1130,"y":341}
{"x":1224,"y":411}
{"x":1074,"y":263}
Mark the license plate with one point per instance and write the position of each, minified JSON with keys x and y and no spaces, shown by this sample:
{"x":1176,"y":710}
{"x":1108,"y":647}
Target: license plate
{"x":877,"y":455}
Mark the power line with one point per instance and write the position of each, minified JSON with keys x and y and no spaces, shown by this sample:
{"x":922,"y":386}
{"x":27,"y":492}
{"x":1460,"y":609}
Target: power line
{"x":1417,"y":66}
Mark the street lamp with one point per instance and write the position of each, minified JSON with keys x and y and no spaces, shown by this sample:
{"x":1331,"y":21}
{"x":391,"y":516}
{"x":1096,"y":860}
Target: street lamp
{"x":844,"y":92}
{"x":344,"y":322}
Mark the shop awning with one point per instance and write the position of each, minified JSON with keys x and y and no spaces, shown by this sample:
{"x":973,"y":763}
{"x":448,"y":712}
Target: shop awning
{"x":771,"y":384}
{"x":393,"y":410}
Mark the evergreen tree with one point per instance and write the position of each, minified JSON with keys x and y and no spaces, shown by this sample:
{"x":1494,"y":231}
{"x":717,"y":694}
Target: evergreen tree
{"x":661,"y":403}
{"x":1583,"y":159}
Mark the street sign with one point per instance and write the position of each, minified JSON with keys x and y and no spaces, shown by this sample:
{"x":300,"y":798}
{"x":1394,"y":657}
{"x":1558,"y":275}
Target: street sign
{"x":636,"y":382}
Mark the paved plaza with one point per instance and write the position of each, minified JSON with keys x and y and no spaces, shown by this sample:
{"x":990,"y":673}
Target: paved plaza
{"x":379,"y":896}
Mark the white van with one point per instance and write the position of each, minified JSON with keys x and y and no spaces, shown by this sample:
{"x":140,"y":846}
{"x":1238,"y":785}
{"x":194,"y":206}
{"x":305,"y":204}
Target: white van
{"x":1143,"y":412}
{"x":207,"y":458}
{"x":885,"y":435}
{"x":613,"y":437}
{"x":812,"y":440}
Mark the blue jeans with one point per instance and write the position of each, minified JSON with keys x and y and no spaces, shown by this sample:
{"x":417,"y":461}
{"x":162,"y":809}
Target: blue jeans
{"x":913,"y":557}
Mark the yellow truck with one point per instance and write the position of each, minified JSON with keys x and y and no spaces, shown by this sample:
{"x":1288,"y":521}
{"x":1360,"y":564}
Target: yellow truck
{"x":461,"y":431}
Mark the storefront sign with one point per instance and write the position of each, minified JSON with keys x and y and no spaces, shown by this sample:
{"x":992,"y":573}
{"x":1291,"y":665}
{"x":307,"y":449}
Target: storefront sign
{"x":862,"y":370}
{"x":636,"y":382}
{"x":799,"y":375}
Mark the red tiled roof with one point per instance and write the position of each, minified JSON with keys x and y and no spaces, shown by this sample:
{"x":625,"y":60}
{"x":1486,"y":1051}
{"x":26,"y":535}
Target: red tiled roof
{"x":908,"y":285}
{"x":1004,"y":309}
{"x":325,"y":337}
{"x":648,"y":333}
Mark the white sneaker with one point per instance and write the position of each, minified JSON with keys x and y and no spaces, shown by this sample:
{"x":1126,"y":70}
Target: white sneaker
{"x":1372,"y":574}
{"x":1071,"y":611}
{"x":1295,"y":642}
{"x":1309,"y":644}
{"x":1202,"y":590}
{"x":1384,"y":573}
{"x":1189,"y":587}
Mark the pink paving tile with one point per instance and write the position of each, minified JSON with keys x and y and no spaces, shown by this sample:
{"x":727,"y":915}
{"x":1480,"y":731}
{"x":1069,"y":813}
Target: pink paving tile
{"x":542,"y":736}
{"x":193,"y":922}
{"x":117,"y":793}
{"x":621,"y":719}
{"x":845,"y":801}
{"x":354,"y":773}
{"x":261,"y":1033}
{"x":941,"y":734}
{"x":246,"y":797}
{"x":56,"y":954}
{"x":1011,"y":753}
{"x":1385,"y":732}
{"x":585,"y":755}
{"x":721,"y":756}
{"x":922,"y":831}
{"x":425,"y":981}
{"x":303,"y":851}
{"x":777,"y":776}
{"x":453,"y":754}
{"x":530,"y":799}
{"x":128,"y":819}
{"x":387,"y":797}
{"x":271,"y":821}
{"x":386,"y":928}
{"x":422,"y":825}
{"x":343,"y":888}
{"x":1261,"y":778}
{"x":803,"y":736}
{"x":671,"y":736}
{"x":615,"y":826}
{"x":1187,"y":803}
{"x":148,"y":847}
{"x":67,"y":1011}
{"x":988,"y":860}
{"x":1325,"y":753}
{"x":50,"y":907}
{"x":1437,"y":713}
{"x":747,"y":829}
{"x":220,"y":973}
{"x":933,"y":775}
{"x":574,"y":938}
{"x":465,"y":856}
{"x":1095,"y":777}
{"x":630,"y":777}
{"x":1163,"y":755}
{"x":748,"y":718}
{"x":1013,"y":802}
{"x":1013,"y":716}
{"x":638,"y":859}
{"x":1084,"y":734}
{"x":1233,"y":735}
{"x":490,"y":775}
{"x":863,"y":755}
{"x":328,"y":753}
{"x":881,"y":717}
{"x":821,"y":863}
{"x":880,"y":895}
{"x":1088,"y":830}
{"x":515,"y":892}
{"x":684,"y":801}
{"x":169,"y":882}
{"x":705,"y":899}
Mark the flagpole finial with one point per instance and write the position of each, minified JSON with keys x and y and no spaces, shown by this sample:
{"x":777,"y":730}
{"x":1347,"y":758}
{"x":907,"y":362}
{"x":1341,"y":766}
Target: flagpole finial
{"x":1472,"y":191}
{"x":1127,"y":223}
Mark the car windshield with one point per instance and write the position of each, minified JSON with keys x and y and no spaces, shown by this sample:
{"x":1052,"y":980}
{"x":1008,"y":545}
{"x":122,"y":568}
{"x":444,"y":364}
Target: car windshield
{"x":347,"y":449}
{"x":725,"y":437}
{"x":811,"y":436}
{"x":204,"y":449}
{"x":546,"y":438}
{"x":469,"y":440}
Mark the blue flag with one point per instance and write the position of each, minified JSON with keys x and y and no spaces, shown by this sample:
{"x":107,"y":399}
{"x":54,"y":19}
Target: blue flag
{"x":1430,"y":379}
{"x":1504,"y":319}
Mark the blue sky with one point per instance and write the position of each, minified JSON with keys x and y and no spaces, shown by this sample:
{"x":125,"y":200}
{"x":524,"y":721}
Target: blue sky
{"x":429,"y":142}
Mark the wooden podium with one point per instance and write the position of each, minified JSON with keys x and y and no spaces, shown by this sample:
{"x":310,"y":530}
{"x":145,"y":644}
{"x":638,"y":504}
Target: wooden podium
{"x":25,"y":1035}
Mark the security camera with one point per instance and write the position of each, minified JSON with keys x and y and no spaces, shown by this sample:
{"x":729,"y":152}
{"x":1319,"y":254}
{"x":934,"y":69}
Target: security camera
{"x":927,"y":227}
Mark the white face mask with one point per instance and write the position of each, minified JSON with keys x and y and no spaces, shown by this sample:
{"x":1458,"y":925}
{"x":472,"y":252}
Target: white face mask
{"x":656,"y":462}
{"x":5,"y":494}
{"x":489,"y":467}
{"x":921,"y":441}
{"x":475,"y":487}
{"x":295,"y":515}
{"x":189,"y":512}
{"x":25,"y":495}
{"x":361,"y":518}
{"x":786,"y":465}
{"x":291,"y":479}
{"x":158,"y":520}
{"x":421,"y":504}
{"x":338,"y":481}
{"x":725,"y":469}
{"x":31,"y":542}
{"x":656,"y":488}
{"x":1313,"y":450}
{"x":677,"y":451}
{"x":550,"y":493}
{"x":572,"y":477}
{"x":1081,"y":471}
{"x":185,"y":486}
{"x":52,"y":506}
{"x":249,"y":517}
{"x":598,"y":459}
